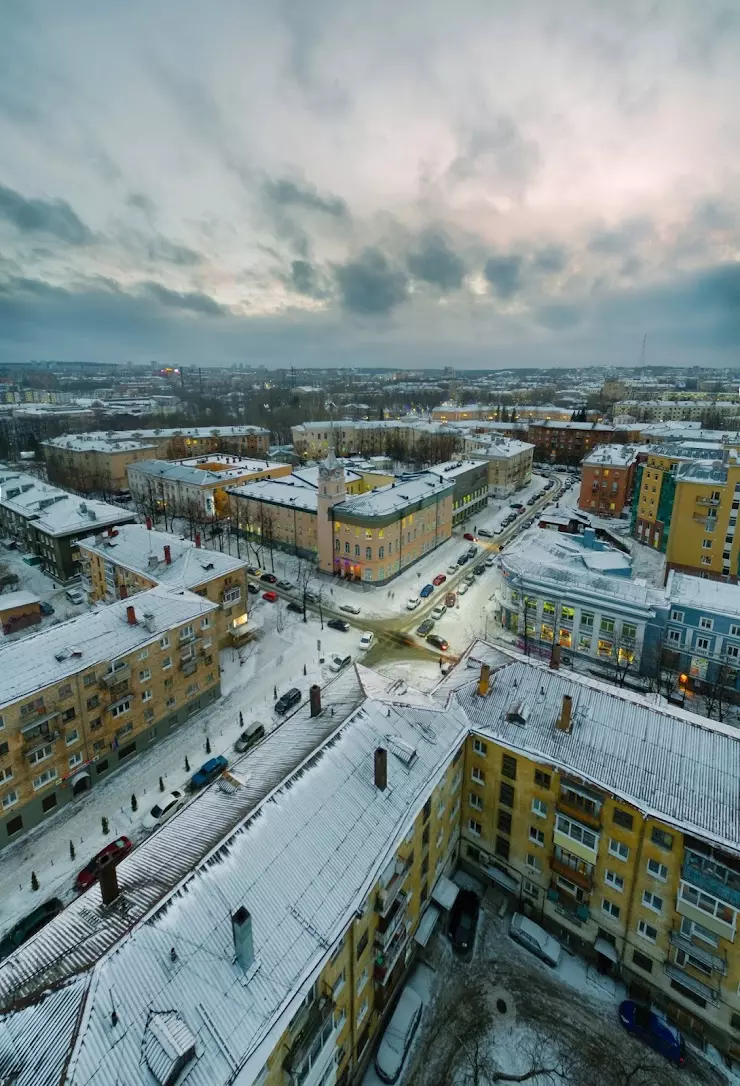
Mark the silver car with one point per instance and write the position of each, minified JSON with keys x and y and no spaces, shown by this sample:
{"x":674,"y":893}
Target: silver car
{"x":399,"y":1034}
{"x":535,"y":939}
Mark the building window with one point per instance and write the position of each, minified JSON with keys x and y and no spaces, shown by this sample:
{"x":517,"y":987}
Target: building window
{"x":479,"y":747}
{"x":166,"y":663}
{"x":577,"y":832}
{"x":477,"y":775}
{"x":642,"y":961}
{"x":361,"y":945}
{"x":701,"y":643}
{"x":652,"y":901}
{"x":146,"y":695}
{"x":587,"y":619}
{"x":660,"y":837}
{"x":475,"y":801}
{"x":475,"y":827}
{"x":346,"y":548}
{"x":610,"y":908}
{"x":164,"y":642}
{"x":536,"y":836}
{"x":41,"y":754}
{"x":504,"y":821}
{"x":646,"y":931}
{"x":613,"y":879}
{"x":362,"y":980}
{"x":122,"y":707}
{"x":89,"y":679}
{"x":75,"y":759}
{"x":71,"y":737}
{"x":145,"y":675}
{"x":357,"y":550}
{"x":502,"y":848}
{"x":508,"y":766}
{"x":541,"y":779}
{"x":616,"y":848}
{"x":9,"y":800}
{"x":657,"y":870}
{"x":368,"y":552}
{"x":539,"y":808}
{"x":706,"y":623}
{"x":622,"y":818}
{"x":44,"y":778}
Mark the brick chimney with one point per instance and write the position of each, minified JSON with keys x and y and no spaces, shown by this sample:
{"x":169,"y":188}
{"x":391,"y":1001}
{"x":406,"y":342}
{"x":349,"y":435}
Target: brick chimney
{"x":484,"y":682}
{"x":381,"y":768}
{"x":108,"y":880}
{"x":555,"y":658}
{"x":167,"y":554}
{"x":131,"y":615}
{"x":197,"y":540}
{"x":315,"y":698}
{"x":564,"y":722}
{"x":122,"y":591}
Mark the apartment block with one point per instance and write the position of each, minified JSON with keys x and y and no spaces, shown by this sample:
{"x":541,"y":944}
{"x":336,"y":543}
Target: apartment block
{"x":124,"y":561}
{"x":607,"y":479}
{"x":703,"y":635}
{"x":195,"y":486}
{"x":79,"y":699}
{"x":509,"y":464}
{"x":703,"y":538}
{"x":570,"y":442}
{"x":470,"y":493}
{"x":654,"y":487}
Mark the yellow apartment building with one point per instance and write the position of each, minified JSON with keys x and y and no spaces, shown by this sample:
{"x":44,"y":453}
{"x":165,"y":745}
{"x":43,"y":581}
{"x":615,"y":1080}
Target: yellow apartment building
{"x":655,"y":486}
{"x":703,"y":538}
{"x":195,"y":486}
{"x":132,"y":558}
{"x":79,"y":699}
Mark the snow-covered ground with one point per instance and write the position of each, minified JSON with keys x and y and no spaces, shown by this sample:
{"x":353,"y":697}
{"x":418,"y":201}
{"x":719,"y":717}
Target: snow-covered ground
{"x":33,"y":579}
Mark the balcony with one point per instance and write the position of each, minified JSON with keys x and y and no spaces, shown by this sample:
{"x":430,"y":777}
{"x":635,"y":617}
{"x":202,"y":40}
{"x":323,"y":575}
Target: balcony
{"x":40,"y":739}
{"x":580,"y":878}
{"x":118,"y":675}
{"x":572,"y":810}
{"x":388,"y":894}
{"x":698,"y":987}
{"x":313,"y":1047}
{"x":385,"y":961}
{"x":35,"y":720}
{"x":388,"y":927}
{"x":712,"y":961}
{"x":695,"y":872}
{"x":575,"y":912}
{"x":189,"y":667}
{"x":708,"y":501}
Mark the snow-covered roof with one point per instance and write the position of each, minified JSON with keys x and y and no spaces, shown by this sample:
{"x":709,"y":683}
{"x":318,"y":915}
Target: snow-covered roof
{"x":101,"y":635}
{"x":53,"y":510}
{"x":450,"y":469}
{"x":612,"y":456}
{"x":310,"y":475}
{"x":393,"y":497}
{"x":82,"y":442}
{"x":141,"y":550}
{"x":290,"y":491}
{"x":287,"y":849}
{"x":188,"y":471}
{"x":95,"y":443}
{"x":683,"y":590}
{"x":502,"y":448}
{"x":17,"y":599}
{"x":702,"y":471}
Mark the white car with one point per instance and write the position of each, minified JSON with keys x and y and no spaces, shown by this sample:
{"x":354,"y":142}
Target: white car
{"x":412,"y":603}
{"x":339,"y":663}
{"x":163,"y":810}
{"x":438,"y":611}
{"x":452,"y":569}
{"x":535,"y":939}
{"x":75,"y":595}
{"x":350,"y":608}
{"x":399,"y":1033}
{"x":485,"y":533}
{"x":490,"y":562}
{"x":367,"y":641}
{"x":462,"y":588}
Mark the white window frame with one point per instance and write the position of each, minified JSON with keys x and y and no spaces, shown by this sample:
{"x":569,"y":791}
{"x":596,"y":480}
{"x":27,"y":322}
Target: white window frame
{"x":610,"y":908}
{"x":475,"y":828}
{"x":616,"y":847}
{"x":642,"y":931}
{"x":479,"y":747}
{"x":477,"y":775}
{"x":535,"y":833}
{"x":539,"y":807}
{"x":475,"y":801}
{"x":616,"y":881}
{"x":75,"y":759}
{"x":649,"y":899}
{"x":662,"y":871}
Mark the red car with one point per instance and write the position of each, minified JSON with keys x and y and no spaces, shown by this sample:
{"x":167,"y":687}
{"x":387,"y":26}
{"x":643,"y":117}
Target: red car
{"x":270,"y":596}
{"x":439,"y":579}
{"x":117,"y":849}
{"x":470,"y":536}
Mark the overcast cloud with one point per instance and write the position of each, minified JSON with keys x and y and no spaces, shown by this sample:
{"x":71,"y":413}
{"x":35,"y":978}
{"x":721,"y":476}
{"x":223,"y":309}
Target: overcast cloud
{"x":283,"y":182}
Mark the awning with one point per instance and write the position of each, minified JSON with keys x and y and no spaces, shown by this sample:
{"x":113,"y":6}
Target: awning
{"x":503,"y":879}
{"x":605,"y":948}
{"x":427,"y":925}
{"x":81,"y":776}
{"x":445,"y":892}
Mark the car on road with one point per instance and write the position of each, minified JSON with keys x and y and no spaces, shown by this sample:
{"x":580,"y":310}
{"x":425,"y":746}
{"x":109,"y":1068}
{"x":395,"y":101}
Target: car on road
{"x":253,"y":588}
{"x":425,"y":627}
{"x":412,"y":603}
{"x":654,"y":1030}
{"x":438,"y":611}
{"x":250,"y":736}
{"x":517,"y":506}
{"x":339,"y":663}
{"x":270,"y":596}
{"x":479,"y":569}
{"x":285,"y":585}
{"x":254,"y":571}
{"x":163,"y":809}
{"x":116,"y":850}
{"x":469,"y":535}
{"x":463,"y":922}
{"x":350,"y":608}
{"x":338,"y":624}
{"x":450,"y":599}
{"x":295,"y":608}
{"x":535,"y":939}
{"x":549,"y":485}
{"x":463,"y":560}
{"x":46,"y":608}
{"x":269,"y":578}
{"x":426,"y":591}
{"x":287,"y":700}
{"x":490,"y":561}
{"x":438,"y":642}
{"x":208,"y":772}
{"x":485,"y":532}
{"x":398,"y":1035}
{"x":74,"y":595}
{"x":366,"y":641}
{"x":439,"y":579}
{"x":29,"y":925}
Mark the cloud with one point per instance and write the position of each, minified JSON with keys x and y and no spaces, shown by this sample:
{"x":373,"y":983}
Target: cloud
{"x":622,"y":240}
{"x":161,"y":249}
{"x":369,"y":285}
{"x":500,"y":154}
{"x":141,"y":202}
{"x":38,"y":216}
{"x":557,"y":316}
{"x":550,"y":259}
{"x":288,"y":193}
{"x":504,"y":274}
{"x":435,"y":262}
{"x":305,"y":279}
{"x":190,"y":301}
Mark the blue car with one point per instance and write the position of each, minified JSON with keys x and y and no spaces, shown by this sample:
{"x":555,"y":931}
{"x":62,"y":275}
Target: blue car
{"x":654,"y":1030}
{"x":208,"y":772}
{"x":426,"y":590}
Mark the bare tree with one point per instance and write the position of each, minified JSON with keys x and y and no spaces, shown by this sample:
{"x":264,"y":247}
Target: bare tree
{"x":720,"y":678}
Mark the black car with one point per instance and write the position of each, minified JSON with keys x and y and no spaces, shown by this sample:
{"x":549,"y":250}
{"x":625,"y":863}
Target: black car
{"x":287,"y":701}
{"x":29,"y":925}
{"x":253,"y":588}
{"x":425,"y":627}
{"x":295,"y":607}
{"x":462,"y":560}
{"x":269,"y":578}
{"x":438,"y":642}
{"x":480,"y":569}
{"x":338,"y":624}
{"x":46,"y":608}
{"x":463,"y":921}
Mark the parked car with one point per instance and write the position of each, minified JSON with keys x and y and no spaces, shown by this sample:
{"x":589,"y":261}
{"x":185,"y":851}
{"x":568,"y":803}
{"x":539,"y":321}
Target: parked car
{"x":479,"y":569}
{"x":208,"y":772}
{"x":450,"y":599}
{"x":412,"y":603}
{"x":163,"y":810}
{"x":469,"y":535}
{"x":498,"y":531}
{"x":426,"y":626}
{"x":366,"y":641}
{"x":535,"y":939}
{"x":490,"y":561}
{"x":451,"y":570}
{"x":250,"y":736}
{"x":438,"y":611}
{"x":287,"y":700}
{"x":472,"y":551}
{"x":469,"y":579}
{"x":338,"y":624}
{"x":285,"y":585}
{"x":654,"y":1030}
{"x":253,"y":588}
{"x":398,"y":1035}
{"x":485,"y":533}
{"x":269,"y":578}
{"x":463,"y":921}
{"x":295,"y":608}
{"x":270,"y":596}
{"x":350,"y":608}
{"x":29,"y":925}
{"x":74,"y":595}
{"x":339,"y":663}
{"x":426,"y":591}
{"x":462,"y":560}
{"x":311,"y":594}
{"x":46,"y":608}
{"x":439,"y":579}
{"x":438,"y":642}
{"x":116,"y":849}
{"x":254,"y":571}
{"x":532,"y":500}
{"x":462,"y":588}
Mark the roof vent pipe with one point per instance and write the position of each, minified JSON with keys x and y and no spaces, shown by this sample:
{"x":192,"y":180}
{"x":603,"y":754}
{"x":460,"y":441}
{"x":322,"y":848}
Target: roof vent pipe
{"x":381,"y":768}
{"x":241,"y":927}
{"x":315,"y":699}
{"x":131,"y":615}
{"x":565,"y":720}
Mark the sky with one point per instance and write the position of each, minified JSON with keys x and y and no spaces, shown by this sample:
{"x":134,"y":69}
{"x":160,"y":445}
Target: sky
{"x":334,"y":183}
